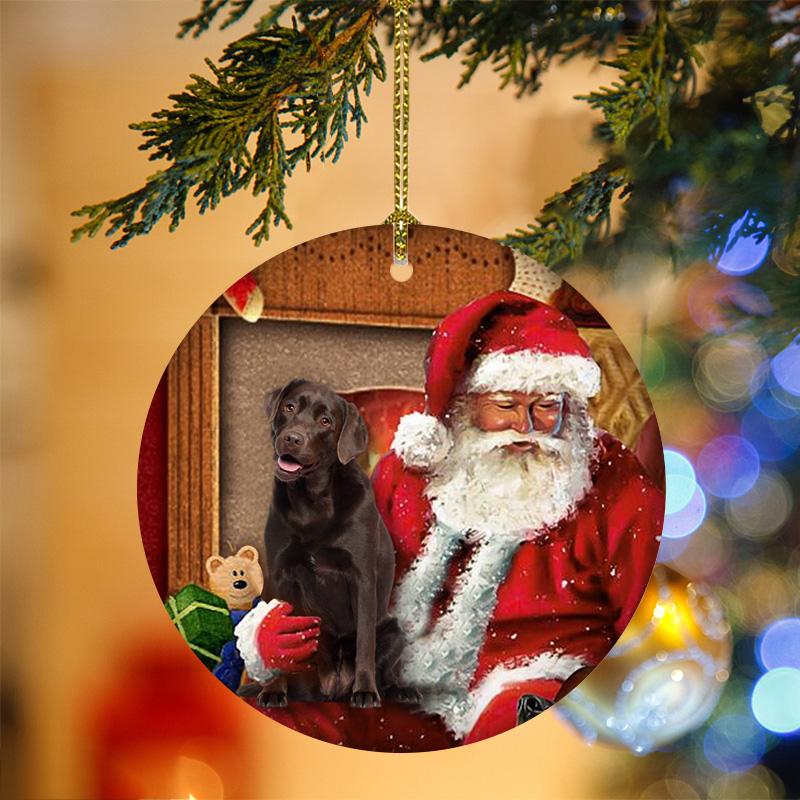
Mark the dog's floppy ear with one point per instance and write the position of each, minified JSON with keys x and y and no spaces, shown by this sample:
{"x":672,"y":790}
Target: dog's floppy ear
{"x":354,"y":437}
{"x":276,"y":395}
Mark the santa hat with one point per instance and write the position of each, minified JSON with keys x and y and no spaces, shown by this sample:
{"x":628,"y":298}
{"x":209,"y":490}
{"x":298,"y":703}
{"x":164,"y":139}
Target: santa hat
{"x":502,"y":342}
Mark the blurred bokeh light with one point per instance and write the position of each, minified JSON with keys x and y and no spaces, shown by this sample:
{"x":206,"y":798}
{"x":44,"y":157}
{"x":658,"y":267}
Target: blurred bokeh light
{"x":779,"y":644}
{"x":764,"y":509}
{"x":765,"y":593}
{"x":688,"y":519}
{"x":724,"y":370}
{"x":743,"y":254}
{"x":680,"y":479}
{"x":776,"y":700}
{"x":734,"y":743}
{"x":786,"y":367}
{"x":728,"y":466}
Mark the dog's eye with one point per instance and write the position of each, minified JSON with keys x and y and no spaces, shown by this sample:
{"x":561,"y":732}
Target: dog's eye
{"x":288,"y":407}
{"x":325,"y":422}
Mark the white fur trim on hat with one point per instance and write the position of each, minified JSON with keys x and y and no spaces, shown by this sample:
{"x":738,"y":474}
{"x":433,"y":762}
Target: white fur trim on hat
{"x":421,"y":440}
{"x":531,"y":372}
{"x":246,"y":633}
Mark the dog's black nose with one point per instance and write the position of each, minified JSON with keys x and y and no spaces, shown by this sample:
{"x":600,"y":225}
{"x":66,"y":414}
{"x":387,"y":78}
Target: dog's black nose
{"x":240,"y":584}
{"x":294,"y":438}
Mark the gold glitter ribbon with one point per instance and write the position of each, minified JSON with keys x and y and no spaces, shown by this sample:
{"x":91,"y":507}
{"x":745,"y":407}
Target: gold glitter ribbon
{"x":401,"y":218}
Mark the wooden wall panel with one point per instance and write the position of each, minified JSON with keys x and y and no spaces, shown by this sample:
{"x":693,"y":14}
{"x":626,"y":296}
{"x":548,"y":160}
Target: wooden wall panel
{"x":193,"y":454}
{"x":344,"y":277}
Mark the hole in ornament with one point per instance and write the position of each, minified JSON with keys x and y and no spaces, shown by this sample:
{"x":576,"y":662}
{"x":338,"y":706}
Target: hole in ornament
{"x":401,"y":271}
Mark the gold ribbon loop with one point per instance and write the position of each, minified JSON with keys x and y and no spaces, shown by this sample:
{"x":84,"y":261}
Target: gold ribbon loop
{"x":401,"y":218}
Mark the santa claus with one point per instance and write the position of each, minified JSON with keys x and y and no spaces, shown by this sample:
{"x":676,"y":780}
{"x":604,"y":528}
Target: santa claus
{"x":524,"y":537}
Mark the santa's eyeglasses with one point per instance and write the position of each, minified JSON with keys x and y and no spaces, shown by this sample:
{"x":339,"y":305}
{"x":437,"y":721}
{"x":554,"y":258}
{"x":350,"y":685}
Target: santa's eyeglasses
{"x":544,"y":413}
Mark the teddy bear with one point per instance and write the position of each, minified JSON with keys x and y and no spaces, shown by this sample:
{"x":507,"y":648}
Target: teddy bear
{"x":237,"y":579}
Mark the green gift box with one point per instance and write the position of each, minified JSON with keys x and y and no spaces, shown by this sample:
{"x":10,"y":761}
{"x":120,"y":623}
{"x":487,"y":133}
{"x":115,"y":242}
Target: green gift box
{"x":203,"y":619}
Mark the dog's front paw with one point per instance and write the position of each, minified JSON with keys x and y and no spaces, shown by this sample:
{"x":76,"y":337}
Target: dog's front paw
{"x":268,"y":698}
{"x":365,"y":700}
{"x":402,"y":694}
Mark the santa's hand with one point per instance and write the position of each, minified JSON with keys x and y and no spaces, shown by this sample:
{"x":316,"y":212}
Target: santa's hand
{"x":285,"y":642}
{"x":271,"y":640}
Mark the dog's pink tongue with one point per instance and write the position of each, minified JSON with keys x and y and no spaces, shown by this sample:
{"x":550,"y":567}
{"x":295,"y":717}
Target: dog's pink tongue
{"x":289,"y":466}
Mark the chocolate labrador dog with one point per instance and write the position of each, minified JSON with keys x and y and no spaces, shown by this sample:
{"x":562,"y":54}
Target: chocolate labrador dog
{"x":328,"y":551}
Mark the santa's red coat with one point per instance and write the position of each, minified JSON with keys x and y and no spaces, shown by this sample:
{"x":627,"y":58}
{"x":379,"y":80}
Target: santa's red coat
{"x":566,"y":597}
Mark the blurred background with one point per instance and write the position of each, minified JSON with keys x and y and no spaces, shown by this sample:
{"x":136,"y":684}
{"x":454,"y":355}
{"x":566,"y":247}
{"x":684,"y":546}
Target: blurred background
{"x":99,"y":693}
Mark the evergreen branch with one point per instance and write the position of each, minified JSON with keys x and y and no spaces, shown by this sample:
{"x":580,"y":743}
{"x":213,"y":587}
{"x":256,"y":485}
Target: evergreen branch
{"x":305,"y":81}
{"x":518,"y":39}
{"x":657,"y":68}
{"x":570,"y":219}
{"x":236,"y":10}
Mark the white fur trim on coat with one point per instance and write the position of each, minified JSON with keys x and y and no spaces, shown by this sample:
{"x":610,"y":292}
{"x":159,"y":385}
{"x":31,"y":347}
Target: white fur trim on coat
{"x":421,"y":440}
{"x":531,"y":372}
{"x":416,"y":591}
{"x":246,"y":633}
{"x":461,"y":713}
{"x":446,"y":657}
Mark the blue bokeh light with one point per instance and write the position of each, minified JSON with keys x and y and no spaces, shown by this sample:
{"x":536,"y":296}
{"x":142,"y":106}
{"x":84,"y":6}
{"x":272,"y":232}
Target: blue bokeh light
{"x":779,"y":644}
{"x":669,"y":549}
{"x":786,"y":368}
{"x":742,"y":254}
{"x":680,"y":480}
{"x":728,"y":466}
{"x":770,"y":405}
{"x":773,"y":438}
{"x":734,"y":743}
{"x":776,"y":700}
{"x":688,"y":519}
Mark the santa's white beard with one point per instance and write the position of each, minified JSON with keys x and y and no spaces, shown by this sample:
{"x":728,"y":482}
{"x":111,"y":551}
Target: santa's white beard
{"x":485,"y":488}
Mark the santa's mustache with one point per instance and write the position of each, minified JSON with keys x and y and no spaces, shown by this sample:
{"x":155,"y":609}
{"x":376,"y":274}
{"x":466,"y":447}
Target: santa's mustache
{"x":487,"y":441}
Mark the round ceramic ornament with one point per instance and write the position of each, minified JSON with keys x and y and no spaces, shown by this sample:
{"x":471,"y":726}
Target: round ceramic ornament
{"x":401,"y":488}
{"x":401,"y":516}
